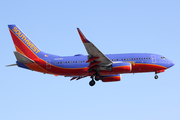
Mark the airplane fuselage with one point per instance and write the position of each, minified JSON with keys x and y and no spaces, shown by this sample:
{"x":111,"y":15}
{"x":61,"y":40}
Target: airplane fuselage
{"x":96,"y":65}
{"x":77,"y":66}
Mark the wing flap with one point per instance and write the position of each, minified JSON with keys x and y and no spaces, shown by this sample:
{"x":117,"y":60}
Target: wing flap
{"x":92,"y":59}
{"x":77,"y":77}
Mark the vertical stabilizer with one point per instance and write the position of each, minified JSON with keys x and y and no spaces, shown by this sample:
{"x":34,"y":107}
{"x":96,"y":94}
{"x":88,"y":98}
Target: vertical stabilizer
{"x":23,"y":44}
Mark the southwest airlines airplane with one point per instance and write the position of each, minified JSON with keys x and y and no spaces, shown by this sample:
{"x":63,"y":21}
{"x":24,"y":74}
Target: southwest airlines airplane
{"x":97,"y":65}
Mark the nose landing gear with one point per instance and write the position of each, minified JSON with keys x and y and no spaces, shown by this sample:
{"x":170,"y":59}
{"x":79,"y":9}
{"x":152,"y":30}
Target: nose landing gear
{"x":159,"y":71}
{"x":156,"y":76}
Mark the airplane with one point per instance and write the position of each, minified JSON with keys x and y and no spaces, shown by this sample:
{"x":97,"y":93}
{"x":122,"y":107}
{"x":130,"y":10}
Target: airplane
{"x":96,"y":65}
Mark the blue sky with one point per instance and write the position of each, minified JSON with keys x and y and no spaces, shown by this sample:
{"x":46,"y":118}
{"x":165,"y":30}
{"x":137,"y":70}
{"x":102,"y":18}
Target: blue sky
{"x":114,"y":27}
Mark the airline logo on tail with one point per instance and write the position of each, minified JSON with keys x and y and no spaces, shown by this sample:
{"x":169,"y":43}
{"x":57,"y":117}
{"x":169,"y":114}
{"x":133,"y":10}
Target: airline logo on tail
{"x":25,"y":40}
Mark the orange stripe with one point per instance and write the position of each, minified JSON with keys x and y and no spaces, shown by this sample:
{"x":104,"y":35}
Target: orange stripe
{"x":17,"y":49}
{"x":150,"y":65}
{"x":33,"y":66}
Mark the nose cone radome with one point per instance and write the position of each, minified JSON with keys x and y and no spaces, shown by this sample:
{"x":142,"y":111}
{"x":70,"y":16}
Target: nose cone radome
{"x":170,"y":64}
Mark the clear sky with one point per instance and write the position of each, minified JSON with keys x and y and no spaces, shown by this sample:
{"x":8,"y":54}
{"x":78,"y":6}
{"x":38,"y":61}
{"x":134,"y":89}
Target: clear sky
{"x":114,"y":26}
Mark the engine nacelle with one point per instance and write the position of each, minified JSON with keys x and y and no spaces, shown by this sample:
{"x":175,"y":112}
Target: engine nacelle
{"x":120,"y":67}
{"x":111,"y":78}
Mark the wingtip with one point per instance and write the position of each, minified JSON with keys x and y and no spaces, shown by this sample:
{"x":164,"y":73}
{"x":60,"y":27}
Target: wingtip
{"x":78,"y":30}
{"x":82,"y":36}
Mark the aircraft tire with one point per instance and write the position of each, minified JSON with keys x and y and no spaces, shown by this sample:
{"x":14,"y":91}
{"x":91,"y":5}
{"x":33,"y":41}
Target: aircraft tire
{"x":156,"y":76}
{"x":92,"y":83}
{"x":97,"y":77}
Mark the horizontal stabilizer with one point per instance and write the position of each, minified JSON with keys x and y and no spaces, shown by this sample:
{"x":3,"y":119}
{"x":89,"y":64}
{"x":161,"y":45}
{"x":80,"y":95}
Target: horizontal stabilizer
{"x":22,"y":58}
{"x":11,"y":65}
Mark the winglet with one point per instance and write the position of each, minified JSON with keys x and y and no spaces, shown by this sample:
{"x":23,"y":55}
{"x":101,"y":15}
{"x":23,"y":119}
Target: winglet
{"x":83,"y":38}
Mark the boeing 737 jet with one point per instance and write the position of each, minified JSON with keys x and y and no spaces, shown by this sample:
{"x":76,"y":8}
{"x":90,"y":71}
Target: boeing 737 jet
{"x":96,"y":65}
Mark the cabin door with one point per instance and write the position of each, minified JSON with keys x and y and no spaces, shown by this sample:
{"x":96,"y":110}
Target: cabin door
{"x":153,"y":58}
{"x":48,"y":64}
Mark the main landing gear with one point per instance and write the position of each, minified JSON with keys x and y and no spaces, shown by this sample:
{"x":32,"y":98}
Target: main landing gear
{"x":97,"y":78}
{"x":92,"y":82}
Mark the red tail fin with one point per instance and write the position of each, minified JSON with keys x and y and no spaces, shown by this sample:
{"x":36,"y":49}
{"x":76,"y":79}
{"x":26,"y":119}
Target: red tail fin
{"x":23,"y":44}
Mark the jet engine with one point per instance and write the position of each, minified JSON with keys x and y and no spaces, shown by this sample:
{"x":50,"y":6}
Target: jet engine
{"x":120,"y":67}
{"x":111,"y":78}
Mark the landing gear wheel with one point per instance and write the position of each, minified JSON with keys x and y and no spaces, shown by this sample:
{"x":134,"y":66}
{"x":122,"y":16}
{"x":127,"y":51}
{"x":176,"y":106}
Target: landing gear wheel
{"x":97,"y":77}
{"x":156,"y":76}
{"x":92,"y":83}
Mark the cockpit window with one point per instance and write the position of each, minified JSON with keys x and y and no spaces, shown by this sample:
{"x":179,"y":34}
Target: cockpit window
{"x":163,"y":58}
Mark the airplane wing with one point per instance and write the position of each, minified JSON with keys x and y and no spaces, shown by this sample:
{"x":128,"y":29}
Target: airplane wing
{"x":96,"y":57}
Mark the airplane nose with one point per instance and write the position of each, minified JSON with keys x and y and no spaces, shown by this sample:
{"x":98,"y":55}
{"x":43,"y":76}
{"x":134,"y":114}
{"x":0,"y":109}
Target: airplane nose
{"x":171,"y":63}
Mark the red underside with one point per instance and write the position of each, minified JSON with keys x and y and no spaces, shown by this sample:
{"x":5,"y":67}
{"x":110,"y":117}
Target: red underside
{"x":140,"y":67}
{"x":137,"y":68}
